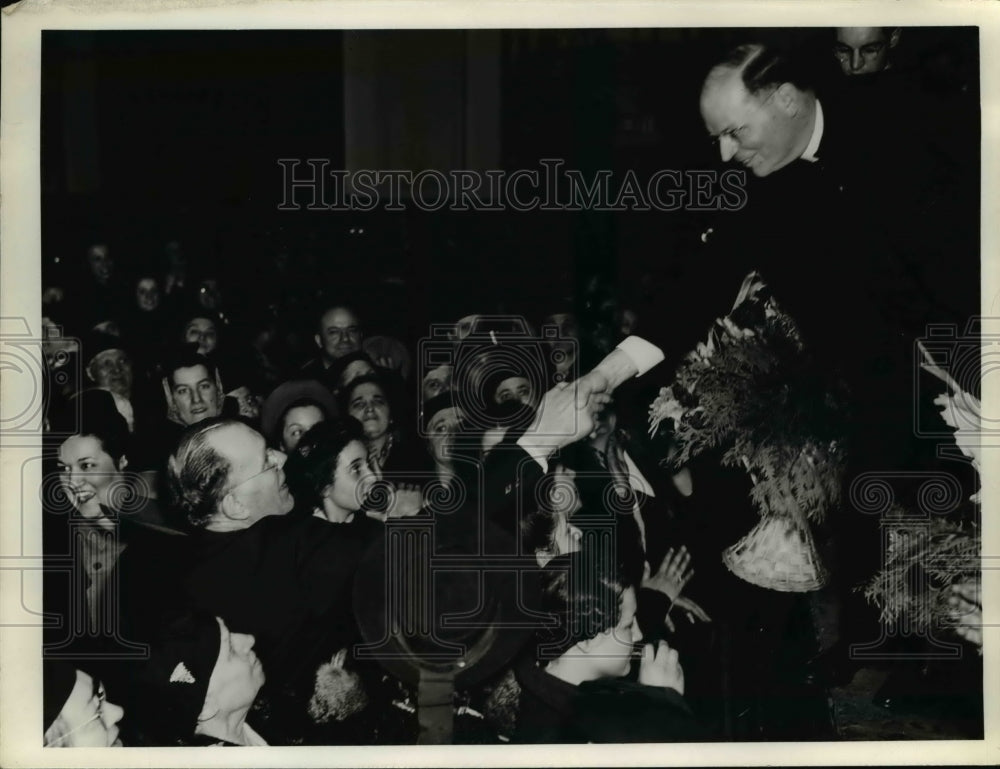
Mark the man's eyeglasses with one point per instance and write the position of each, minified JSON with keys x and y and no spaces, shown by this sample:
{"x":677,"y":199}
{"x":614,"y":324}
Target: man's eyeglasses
{"x":272,"y":461}
{"x":351,"y":332}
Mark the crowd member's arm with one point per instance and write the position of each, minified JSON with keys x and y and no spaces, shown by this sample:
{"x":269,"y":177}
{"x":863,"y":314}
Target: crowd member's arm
{"x":565,"y":415}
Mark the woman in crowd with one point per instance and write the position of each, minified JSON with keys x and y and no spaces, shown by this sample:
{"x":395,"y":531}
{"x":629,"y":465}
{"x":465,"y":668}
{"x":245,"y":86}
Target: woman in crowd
{"x":145,"y":324}
{"x":76,"y":710}
{"x":442,"y":419}
{"x":332,"y":478}
{"x":575,"y":690}
{"x":330,"y":474}
{"x":108,"y":507}
{"x":198,"y":685}
{"x":387,"y":437}
{"x":547,"y":532}
{"x":292,"y":409}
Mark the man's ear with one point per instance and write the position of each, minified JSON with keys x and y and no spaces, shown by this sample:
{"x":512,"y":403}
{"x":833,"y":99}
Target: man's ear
{"x":318,"y":341}
{"x":787,"y":99}
{"x":123,"y":462}
{"x":232,"y":508}
{"x":894,"y":37}
{"x":90,"y":373}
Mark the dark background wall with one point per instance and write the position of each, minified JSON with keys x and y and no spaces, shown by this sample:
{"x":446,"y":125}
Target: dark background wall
{"x":154,"y":136}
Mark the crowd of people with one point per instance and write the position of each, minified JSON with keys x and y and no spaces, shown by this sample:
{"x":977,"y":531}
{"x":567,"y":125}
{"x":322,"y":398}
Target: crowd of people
{"x":336,"y":538}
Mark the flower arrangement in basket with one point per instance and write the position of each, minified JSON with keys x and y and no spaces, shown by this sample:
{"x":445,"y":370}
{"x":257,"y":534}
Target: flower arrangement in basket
{"x":752,"y":390}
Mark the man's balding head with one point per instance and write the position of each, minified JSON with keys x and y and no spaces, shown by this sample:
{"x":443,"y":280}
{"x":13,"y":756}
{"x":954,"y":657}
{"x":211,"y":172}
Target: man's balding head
{"x":759,"y":108}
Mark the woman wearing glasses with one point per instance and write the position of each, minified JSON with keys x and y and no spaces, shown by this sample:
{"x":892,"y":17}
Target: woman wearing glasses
{"x":77,"y":713}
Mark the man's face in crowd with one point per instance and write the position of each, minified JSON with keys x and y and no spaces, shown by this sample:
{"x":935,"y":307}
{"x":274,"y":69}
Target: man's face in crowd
{"x":256,"y":475}
{"x":112,"y":370}
{"x":436,"y":381}
{"x":753,"y":129}
{"x":88,"y":718}
{"x":101,"y":263}
{"x":864,"y":50}
{"x":147,"y":294}
{"x":195,"y":394}
{"x":340,"y":333}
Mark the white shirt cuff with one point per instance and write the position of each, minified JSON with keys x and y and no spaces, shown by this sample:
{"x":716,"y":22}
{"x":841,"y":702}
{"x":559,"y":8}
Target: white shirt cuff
{"x":538,"y":453}
{"x":642,"y":353}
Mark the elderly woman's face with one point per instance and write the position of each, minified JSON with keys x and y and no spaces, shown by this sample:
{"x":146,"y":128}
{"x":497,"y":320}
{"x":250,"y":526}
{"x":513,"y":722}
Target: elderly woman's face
{"x":237,"y":676}
{"x":370,"y":407}
{"x":88,"y":475}
{"x":112,"y":370}
{"x":203,"y":332}
{"x":147,"y":294}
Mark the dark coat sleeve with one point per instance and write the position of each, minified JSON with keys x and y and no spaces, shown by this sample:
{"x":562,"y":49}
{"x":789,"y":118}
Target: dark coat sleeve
{"x":509,"y":478}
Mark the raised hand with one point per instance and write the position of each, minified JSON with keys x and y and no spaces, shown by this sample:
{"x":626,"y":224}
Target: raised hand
{"x":566,"y":414}
{"x":672,"y":576}
{"x":407,"y":500}
{"x":693,"y":610}
{"x":662,"y":668}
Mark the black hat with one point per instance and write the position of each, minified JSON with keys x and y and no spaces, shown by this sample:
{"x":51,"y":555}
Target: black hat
{"x":433,"y":405}
{"x":58,"y":680}
{"x":442,"y":629}
{"x":174,"y":681}
{"x":96,"y":342}
{"x":338,"y":366}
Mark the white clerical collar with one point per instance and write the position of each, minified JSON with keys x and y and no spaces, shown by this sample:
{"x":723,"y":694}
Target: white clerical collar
{"x":817,"y":136}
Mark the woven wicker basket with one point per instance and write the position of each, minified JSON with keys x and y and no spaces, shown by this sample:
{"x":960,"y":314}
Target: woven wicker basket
{"x":780,"y":554}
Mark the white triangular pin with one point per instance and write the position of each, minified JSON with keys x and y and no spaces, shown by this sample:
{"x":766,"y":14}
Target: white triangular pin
{"x":181,"y":675}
